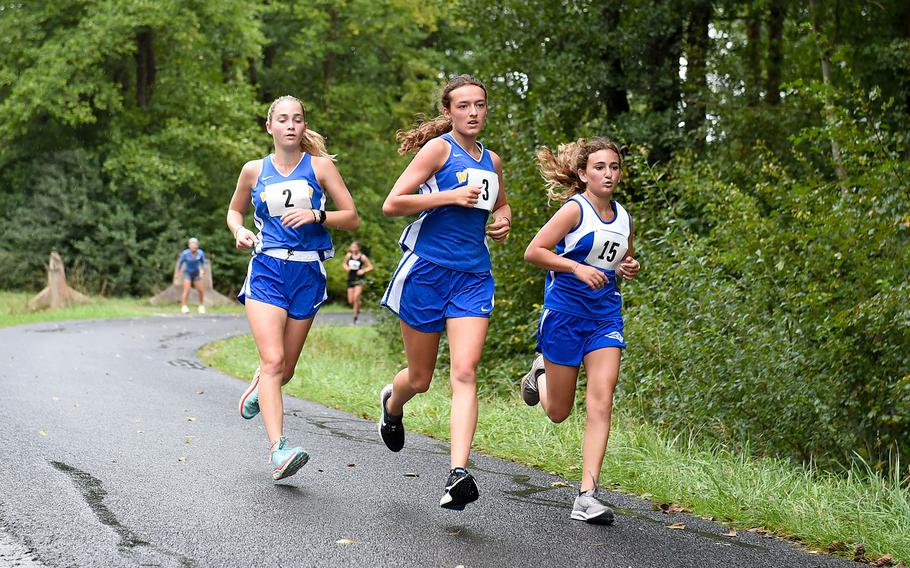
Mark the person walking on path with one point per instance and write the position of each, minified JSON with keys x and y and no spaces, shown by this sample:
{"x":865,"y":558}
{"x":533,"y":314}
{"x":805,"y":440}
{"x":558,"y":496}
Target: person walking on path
{"x":357,"y":264}
{"x":443,"y":281}
{"x":192,"y":261}
{"x":286,"y":280}
{"x":581,"y":320}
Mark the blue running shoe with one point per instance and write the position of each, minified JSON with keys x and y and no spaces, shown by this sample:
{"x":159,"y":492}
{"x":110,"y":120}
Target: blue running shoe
{"x":287,"y":461}
{"x":249,"y":402}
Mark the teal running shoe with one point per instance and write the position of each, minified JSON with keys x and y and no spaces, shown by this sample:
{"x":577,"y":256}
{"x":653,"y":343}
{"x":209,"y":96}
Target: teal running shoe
{"x":249,"y":402}
{"x":287,"y":461}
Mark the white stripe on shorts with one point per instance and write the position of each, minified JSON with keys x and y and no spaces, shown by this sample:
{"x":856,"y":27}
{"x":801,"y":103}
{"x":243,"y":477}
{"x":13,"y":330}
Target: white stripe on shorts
{"x":393,"y":295}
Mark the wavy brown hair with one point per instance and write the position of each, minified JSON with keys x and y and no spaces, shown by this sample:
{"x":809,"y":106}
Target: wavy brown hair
{"x":560,"y":170}
{"x":311,"y":142}
{"x":426,"y":128}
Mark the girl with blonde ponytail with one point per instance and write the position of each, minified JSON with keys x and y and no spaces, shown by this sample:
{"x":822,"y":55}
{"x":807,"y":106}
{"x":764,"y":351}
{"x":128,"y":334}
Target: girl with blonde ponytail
{"x":286,"y":280}
{"x":585,"y":247}
{"x":444,"y":281}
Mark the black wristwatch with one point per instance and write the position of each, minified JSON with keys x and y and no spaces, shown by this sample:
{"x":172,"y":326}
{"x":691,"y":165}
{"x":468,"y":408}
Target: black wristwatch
{"x":321,"y":220}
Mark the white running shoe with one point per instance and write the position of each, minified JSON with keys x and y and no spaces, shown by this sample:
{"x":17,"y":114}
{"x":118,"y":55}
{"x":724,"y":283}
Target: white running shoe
{"x":588,"y":509}
{"x":201,"y":309}
{"x":185,"y":309}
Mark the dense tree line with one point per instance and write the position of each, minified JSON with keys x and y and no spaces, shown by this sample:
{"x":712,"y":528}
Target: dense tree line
{"x":766,"y":170}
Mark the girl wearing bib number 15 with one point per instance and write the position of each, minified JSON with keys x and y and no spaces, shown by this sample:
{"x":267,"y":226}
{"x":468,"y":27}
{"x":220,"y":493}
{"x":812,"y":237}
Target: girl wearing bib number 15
{"x":581,"y":320}
{"x":443,"y":280}
{"x":286,"y":281}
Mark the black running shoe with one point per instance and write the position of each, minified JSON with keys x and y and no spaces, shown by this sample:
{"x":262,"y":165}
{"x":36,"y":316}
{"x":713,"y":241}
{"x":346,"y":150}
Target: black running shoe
{"x":391,"y":429}
{"x":461,"y":489}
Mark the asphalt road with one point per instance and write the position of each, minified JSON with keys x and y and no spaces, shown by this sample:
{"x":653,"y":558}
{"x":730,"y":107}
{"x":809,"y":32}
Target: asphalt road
{"x":118,"y":447}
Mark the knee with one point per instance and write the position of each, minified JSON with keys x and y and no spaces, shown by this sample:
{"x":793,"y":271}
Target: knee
{"x":464,"y":377}
{"x":599,"y":410}
{"x":272,"y":364}
{"x":558,"y":413}
{"x":419,"y":381}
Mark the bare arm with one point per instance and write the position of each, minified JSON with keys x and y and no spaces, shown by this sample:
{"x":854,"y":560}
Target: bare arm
{"x":243,"y":237}
{"x":540,"y":249}
{"x":402,"y":200}
{"x":344,"y":263}
{"x":345,"y":216}
{"x":366,"y":267}
{"x":629,"y":266}
{"x":501,"y":226}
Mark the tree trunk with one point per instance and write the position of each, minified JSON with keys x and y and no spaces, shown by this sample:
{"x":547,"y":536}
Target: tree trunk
{"x":615,"y":95}
{"x":778,"y":12}
{"x":696,"y":86}
{"x":753,"y":57}
{"x":824,"y":53}
{"x":145,"y":67}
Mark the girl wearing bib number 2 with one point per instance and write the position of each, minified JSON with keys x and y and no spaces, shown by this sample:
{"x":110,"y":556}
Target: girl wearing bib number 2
{"x":581,"y":319}
{"x":286,"y":281}
{"x":443,"y":281}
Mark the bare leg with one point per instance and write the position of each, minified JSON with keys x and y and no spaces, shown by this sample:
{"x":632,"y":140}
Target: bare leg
{"x":602,"y":367}
{"x":267,"y":323}
{"x":357,"y":291}
{"x":186,"y":292}
{"x":466,"y":339}
{"x":421,"y":350}
{"x":351,"y":296}
{"x":200,"y":287}
{"x":295,"y":334}
{"x":557,"y":390}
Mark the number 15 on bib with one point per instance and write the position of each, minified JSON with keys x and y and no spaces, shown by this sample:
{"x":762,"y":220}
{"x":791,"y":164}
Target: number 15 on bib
{"x":488,"y":182}
{"x":608,"y":250}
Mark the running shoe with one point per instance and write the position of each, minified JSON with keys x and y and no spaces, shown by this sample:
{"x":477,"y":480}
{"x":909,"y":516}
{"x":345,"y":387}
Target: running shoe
{"x":185,"y":309}
{"x":201,"y":309}
{"x":249,"y":402}
{"x":588,"y":509}
{"x":461,"y":489}
{"x":287,"y":461}
{"x":529,"y":392}
{"x":391,"y":428}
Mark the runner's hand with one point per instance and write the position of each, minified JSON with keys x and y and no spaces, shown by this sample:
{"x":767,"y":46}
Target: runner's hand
{"x":591,"y":276}
{"x":298,"y":217}
{"x":245,"y":239}
{"x":628,"y":268}
{"x":499,"y":229}
{"x":466,"y":196}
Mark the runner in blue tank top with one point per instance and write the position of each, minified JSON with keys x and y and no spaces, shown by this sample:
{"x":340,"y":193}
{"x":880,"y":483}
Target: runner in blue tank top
{"x":443,"y":280}
{"x":581,"y":320}
{"x":192,"y":261}
{"x":286,"y":282}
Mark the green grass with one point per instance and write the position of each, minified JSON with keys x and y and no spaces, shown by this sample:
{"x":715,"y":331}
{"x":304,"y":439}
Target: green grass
{"x":344,"y":368}
{"x":14,"y":309}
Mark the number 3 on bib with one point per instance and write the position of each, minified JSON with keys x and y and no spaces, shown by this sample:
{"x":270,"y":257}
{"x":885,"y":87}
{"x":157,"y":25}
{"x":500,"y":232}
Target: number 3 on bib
{"x":608,"y":250}
{"x":488,"y":182}
{"x":287,"y":195}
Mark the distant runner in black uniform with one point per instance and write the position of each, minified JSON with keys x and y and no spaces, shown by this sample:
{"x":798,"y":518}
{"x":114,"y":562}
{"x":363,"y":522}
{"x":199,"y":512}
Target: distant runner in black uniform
{"x":357,"y":264}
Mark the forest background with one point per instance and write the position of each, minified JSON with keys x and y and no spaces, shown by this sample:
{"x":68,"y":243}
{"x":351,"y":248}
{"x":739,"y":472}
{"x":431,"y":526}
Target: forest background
{"x":766,"y":146}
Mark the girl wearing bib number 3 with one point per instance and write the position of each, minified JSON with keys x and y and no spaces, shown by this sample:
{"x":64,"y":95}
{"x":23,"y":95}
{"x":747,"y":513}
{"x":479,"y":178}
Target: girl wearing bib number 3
{"x":443,"y":281}
{"x":581,"y":320}
{"x":285,"y":283}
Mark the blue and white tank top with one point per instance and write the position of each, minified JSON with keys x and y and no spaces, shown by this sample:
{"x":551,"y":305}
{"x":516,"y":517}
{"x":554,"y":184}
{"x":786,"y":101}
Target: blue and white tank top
{"x":594,"y":242}
{"x":275,"y":194}
{"x":453,"y":236}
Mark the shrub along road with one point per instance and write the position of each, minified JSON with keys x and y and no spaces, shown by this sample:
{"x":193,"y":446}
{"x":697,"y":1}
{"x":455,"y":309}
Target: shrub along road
{"x":119,"y":448}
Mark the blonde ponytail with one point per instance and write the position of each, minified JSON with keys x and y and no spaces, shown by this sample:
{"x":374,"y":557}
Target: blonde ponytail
{"x":560,"y":170}
{"x":314,"y":144}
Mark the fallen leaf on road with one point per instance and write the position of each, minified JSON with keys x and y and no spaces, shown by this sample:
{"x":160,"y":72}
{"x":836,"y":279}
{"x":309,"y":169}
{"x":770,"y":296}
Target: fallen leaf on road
{"x":200,"y":392}
{"x":352,"y":465}
{"x":42,"y":432}
{"x":883,"y":561}
{"x":731,"y":534}
{"x":191,"y":419}
{"x":344,"y":541}
{"x":411,"y":474}
{"x":677,"y":526}
{"x":187,"y":439}
{"x":560,"y":484}
{"x":55,"y":398}
{"x":454,"y":533}
{"x":669,"y":508}
{"x":181,"y":459}
{"x":139,"y":431}
{"x":758,"y":530}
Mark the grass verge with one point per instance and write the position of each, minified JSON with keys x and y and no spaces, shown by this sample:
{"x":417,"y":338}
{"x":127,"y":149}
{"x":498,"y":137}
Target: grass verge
{"x":344,"y":368}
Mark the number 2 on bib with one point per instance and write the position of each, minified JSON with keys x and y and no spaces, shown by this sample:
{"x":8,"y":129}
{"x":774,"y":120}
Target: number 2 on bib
{"x":284,"y":196}
{"x":488,"y":182}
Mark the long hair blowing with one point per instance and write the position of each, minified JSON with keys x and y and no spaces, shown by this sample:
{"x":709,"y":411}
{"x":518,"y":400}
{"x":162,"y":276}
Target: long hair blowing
{"x":560,"y":170}
{"x":428,"y":128}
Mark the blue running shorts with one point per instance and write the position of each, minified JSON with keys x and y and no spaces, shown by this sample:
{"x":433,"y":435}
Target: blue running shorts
{"x":424,"y":295}
{"x":565,"y":339}
{"x":294,"y":286}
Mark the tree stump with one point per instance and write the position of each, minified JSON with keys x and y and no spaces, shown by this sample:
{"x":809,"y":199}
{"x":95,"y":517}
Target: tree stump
{"x":173,"y":293}
{"x":57,"y":294}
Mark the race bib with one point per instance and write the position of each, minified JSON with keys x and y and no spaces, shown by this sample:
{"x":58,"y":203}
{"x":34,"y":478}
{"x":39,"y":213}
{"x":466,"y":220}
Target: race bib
{"x":354,"y":264}
{"x":608,"y":250}
{"x":284,"y":196}
{"x":488,"y":182}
